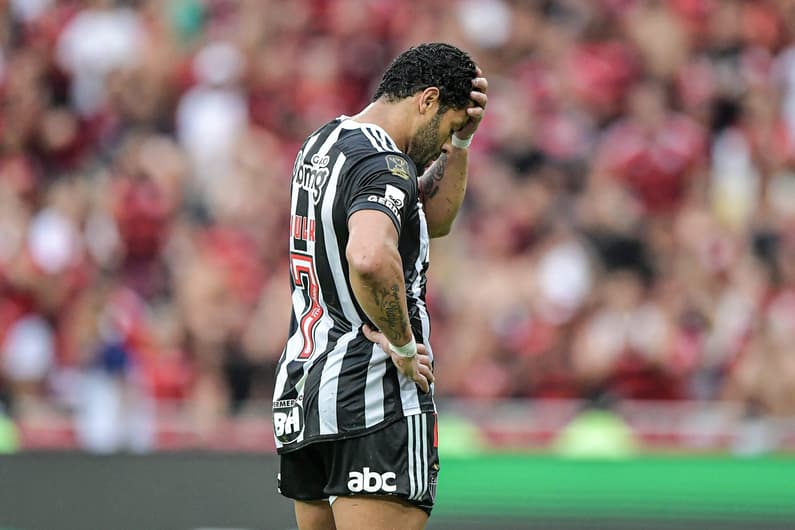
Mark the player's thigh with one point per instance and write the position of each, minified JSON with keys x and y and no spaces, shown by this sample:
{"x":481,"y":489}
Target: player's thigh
{"x":377,"y":513}
{"x":314,"y":515}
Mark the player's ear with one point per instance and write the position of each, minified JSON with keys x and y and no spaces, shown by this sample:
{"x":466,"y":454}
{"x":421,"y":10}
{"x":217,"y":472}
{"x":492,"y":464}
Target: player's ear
{"x":428,"y":99}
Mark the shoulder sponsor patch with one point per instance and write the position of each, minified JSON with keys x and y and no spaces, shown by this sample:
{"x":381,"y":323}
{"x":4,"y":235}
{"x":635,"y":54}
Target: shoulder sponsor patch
{"x":393,"y":198}
{"x":398,"y":166}
{"x":395,"y":195}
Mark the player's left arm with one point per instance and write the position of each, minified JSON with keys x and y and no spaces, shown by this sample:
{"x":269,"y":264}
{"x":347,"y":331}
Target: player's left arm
{"x":444,"y":184}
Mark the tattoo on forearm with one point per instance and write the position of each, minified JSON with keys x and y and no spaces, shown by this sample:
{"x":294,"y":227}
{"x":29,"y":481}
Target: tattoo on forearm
{"x":388,"y":302}
{"x":434,"y":175}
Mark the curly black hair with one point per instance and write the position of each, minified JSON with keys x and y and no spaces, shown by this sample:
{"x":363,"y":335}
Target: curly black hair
{"x":432,"y":64}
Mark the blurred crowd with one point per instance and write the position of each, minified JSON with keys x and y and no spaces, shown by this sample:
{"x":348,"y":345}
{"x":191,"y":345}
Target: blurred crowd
{"x":629,"y":228}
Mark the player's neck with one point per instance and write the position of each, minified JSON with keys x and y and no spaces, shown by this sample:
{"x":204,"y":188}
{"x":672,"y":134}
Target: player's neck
{"x":391,"y":117}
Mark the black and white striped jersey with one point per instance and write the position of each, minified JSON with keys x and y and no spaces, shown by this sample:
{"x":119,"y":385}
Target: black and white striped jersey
{"x":332,"y":382}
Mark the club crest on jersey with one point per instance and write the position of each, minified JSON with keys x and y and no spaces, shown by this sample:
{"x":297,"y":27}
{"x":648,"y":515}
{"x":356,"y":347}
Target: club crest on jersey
{"x":288,"y":420}
{"x":398,"y":166}
{"x":312,"y":177}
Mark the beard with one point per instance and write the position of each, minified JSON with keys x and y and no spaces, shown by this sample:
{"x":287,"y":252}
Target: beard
{"x":424,"y":146}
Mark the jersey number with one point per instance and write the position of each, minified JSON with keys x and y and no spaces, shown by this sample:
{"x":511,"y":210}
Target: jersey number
{"x":303,"y":272}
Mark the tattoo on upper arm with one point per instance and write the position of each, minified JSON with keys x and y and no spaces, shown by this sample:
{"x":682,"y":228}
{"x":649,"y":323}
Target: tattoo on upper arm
{"x":429,"y":183}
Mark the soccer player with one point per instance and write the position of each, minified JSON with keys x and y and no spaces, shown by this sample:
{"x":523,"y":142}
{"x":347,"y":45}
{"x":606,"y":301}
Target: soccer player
{"x":353,"y":410}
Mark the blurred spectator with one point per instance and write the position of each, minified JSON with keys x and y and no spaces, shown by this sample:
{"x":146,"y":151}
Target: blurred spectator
{"x":653,"y":151}
{"x":212,"y":114}
{"x":98,"y":39}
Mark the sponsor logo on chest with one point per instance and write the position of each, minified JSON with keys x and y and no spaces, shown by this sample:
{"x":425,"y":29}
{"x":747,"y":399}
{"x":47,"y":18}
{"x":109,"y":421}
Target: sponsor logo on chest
{"x":314,"y":176}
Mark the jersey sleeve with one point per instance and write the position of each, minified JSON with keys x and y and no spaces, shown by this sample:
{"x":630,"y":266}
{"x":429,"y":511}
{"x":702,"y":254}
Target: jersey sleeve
{"x":386,"y":182}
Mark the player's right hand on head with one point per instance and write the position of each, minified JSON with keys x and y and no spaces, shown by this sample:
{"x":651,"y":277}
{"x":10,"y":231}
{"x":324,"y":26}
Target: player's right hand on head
{"x":417,"y":368}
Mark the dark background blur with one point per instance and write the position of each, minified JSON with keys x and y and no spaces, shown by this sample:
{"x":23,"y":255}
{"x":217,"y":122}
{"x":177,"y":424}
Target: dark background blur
{"x":212,"y":491}
{"x":627,"y":242}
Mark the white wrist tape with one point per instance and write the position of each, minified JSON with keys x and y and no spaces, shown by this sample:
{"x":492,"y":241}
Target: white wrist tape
{"x":407,"y":350}
{"x":461,"y":144}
